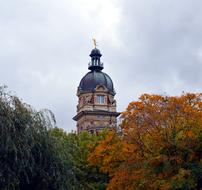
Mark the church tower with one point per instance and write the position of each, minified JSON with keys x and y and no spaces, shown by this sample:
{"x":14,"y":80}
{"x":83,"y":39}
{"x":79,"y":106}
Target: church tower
{"x":96,"y":107}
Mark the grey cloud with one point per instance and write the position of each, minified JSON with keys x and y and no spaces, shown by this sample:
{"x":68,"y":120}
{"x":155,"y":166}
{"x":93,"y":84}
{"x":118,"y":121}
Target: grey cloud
{"x":45,"y":46}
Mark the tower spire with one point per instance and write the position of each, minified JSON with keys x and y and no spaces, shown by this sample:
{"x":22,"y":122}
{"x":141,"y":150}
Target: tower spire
{"x":95,"y":55}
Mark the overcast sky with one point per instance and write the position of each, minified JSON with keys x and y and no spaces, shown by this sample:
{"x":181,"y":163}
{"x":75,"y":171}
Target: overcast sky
{"x":148,"y":46}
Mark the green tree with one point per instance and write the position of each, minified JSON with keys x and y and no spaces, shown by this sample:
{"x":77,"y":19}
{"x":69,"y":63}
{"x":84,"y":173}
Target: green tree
{"x":29,"y":156}
{"x":75,"y":149}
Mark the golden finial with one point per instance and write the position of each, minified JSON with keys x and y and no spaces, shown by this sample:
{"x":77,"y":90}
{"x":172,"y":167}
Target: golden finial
{"x":94,"y":42}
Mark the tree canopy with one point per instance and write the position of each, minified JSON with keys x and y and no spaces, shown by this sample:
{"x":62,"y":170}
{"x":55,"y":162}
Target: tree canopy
{"x":160,"y":146}
{"x":28,"y":154}
{"x":75,"y":148}
{"x":35,"y":154}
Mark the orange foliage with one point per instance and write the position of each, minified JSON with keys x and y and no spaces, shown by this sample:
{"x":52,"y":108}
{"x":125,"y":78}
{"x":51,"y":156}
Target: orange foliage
{"x":159,"y":148}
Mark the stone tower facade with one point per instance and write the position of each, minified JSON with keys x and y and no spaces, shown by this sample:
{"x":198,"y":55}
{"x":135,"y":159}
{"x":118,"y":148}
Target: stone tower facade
{"x":96,"y":107}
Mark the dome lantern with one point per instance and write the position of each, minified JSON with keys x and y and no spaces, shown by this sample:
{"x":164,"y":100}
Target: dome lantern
{"x":95,"y":63}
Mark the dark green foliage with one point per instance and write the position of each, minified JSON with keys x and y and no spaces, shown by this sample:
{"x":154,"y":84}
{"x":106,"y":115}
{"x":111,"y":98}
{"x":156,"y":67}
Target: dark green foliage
{"x":75,"y":149}
{"x":35,"y":155}
{"x":29,"y":158}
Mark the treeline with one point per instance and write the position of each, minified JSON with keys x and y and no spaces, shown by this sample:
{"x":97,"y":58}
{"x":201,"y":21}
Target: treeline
{"x":159,"y":147}
{"x":35,"y":155}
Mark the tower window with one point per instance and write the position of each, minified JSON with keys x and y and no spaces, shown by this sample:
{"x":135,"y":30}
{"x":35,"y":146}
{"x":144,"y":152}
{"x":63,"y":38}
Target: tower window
{"x":100,"y":99}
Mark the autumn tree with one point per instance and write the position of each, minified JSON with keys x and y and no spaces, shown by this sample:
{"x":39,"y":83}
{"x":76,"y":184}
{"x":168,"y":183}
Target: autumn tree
{"x":160,"y":146}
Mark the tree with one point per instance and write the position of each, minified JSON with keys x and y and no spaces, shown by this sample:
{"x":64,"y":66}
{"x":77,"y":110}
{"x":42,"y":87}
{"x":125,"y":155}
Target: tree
{"x":28,"y":154}
{"x":75,"y":149}
{"x":160,"y":145}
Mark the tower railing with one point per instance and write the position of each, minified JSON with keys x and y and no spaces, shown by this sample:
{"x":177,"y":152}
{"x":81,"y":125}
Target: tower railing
{"x":95,"y":63}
